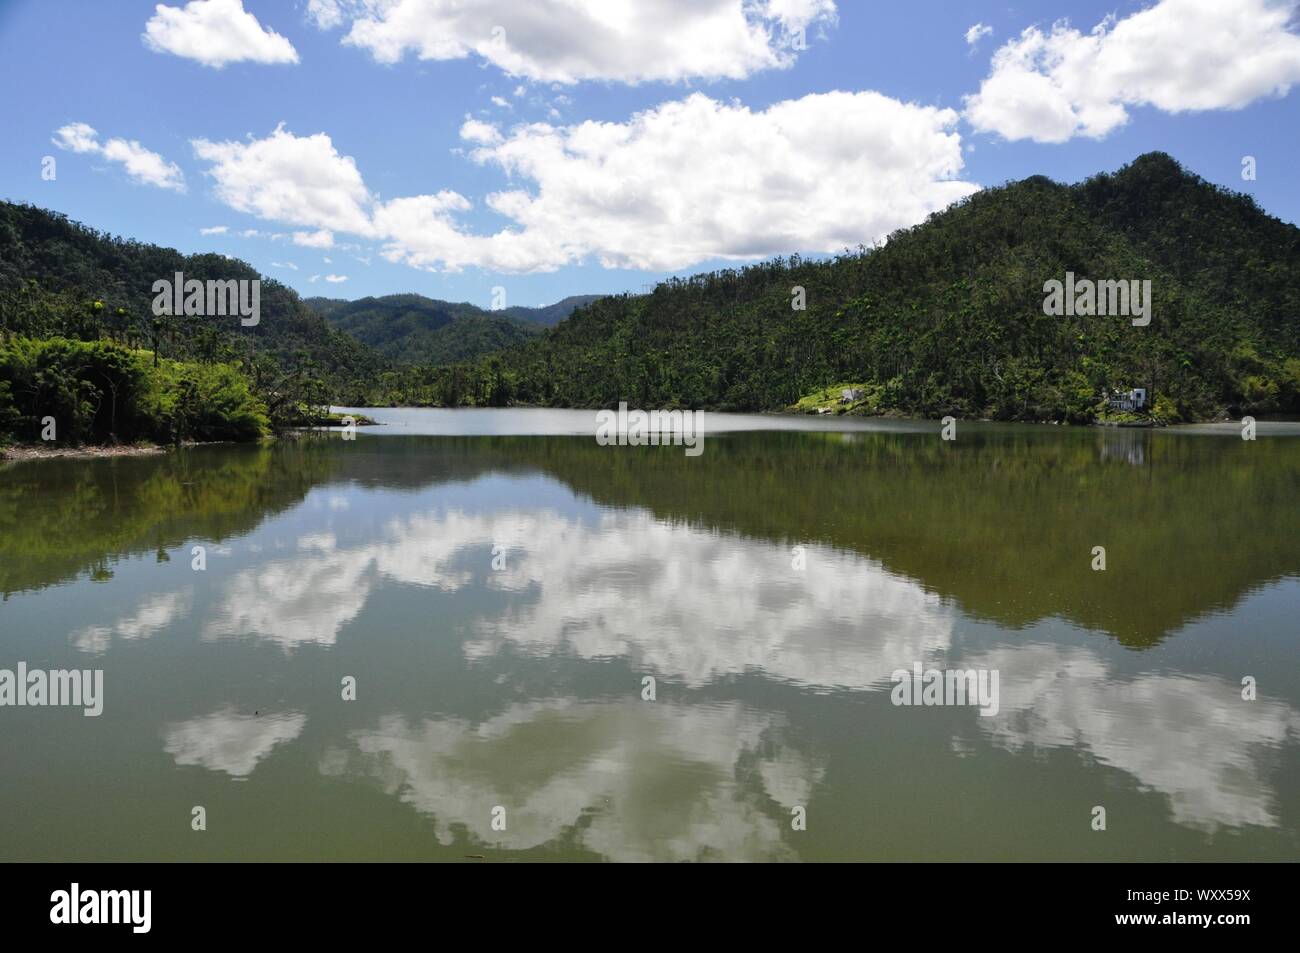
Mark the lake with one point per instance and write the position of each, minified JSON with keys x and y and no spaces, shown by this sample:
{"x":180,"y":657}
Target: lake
{"x":566,"y":651}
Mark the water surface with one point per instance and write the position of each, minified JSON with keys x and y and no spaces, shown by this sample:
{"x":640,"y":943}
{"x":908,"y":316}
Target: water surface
{"x":500,"y":586}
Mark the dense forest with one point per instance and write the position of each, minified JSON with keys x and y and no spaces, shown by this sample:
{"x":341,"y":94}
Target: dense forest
{"x":412,"y":329}
{"x":79,"y":342}
{"x":943,"y":318}
{"x":947,"y":317}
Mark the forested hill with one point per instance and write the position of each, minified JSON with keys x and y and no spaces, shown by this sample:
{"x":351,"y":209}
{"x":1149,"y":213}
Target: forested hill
{"x":551,"y":314}
{"x":948,"y":316}
{"x":944,"y":318}
{"x":59,"y":278}
{"x":80,"y":344}
{"x":413,"y":329}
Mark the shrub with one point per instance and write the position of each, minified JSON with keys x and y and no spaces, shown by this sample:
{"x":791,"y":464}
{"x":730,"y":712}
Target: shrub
{"x":102,"y":392}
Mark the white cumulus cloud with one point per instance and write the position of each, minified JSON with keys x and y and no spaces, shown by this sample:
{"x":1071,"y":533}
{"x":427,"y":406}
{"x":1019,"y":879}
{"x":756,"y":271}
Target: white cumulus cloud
{"x":323,"y":238}
{"x":1177,"y":55}
{"x":689,"y":181}
{"x":326,"y":14}
{"x":697,"y":179}
{"x":567,"y":41}
{"x":140,"y":164}
{"x":214,"y":33}
{"x":484,"y":133}
{"x":299,"y":180}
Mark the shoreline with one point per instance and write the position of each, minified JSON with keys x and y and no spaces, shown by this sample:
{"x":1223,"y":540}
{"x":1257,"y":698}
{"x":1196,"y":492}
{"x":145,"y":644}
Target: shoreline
{"x":27,"y":451}
{"x":20,"y":452}
{"x":891,"y":415}
{"x":15,"y":453}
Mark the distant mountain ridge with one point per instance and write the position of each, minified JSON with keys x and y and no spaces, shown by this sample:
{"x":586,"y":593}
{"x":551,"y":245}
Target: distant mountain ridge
{"x":413,"y":329}
{"x":947,"y":317}
{"x":552,"y":314}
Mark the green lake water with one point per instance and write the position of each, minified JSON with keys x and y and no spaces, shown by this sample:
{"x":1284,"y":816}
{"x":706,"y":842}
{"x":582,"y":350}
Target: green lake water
{"x":500,"y":587}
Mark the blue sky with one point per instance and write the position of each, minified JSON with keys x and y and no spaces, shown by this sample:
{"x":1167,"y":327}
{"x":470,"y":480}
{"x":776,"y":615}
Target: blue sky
{"x":634,"y":140}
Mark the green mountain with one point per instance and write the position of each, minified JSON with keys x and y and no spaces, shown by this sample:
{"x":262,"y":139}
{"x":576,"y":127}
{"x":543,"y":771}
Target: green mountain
{"x":948,"y":317}
{"x":412,"y":329}
{"x":944,"y":318}
{"x":79,"y":342}
{"x":552,"y":314}
{"x":60,"y":278}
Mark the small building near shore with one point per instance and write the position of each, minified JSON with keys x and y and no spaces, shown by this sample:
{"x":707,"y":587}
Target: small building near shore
{"x":1135,"y":399}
